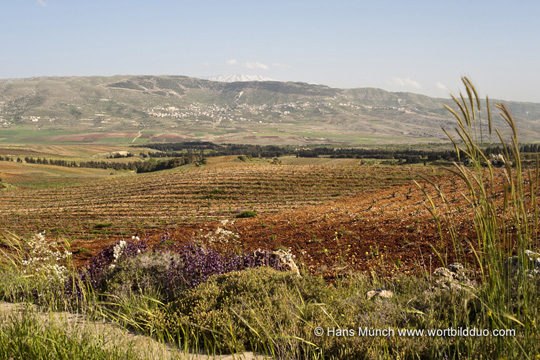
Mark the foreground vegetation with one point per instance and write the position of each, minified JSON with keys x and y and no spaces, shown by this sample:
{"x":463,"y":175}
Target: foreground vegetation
{"x":19,"y":339}
{"x":214,"y":306}
{"x":197,"y":298}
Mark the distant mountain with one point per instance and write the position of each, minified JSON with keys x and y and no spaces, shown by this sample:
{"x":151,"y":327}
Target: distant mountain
{"x":171,"y":108}
{"x":239,"y":77}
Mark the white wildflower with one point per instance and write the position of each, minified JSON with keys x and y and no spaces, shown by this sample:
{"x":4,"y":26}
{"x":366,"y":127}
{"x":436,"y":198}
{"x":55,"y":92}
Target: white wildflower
{"x":43,"y":261}
{"x":221,"y":235}
{"x":118,"y":249}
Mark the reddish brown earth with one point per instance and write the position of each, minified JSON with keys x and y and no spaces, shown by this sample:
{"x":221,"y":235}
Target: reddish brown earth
{"x":386,"y":231}
{"x":385,"y":228}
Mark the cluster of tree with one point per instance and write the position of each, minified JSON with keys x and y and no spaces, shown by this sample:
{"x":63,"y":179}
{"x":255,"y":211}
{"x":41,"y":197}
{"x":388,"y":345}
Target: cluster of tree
{"x":138,"y":166}
{"x":525,"y":148}
{"x":153,"y":165}
{"x":210,"y":149}
{"x":57,"y":162}
{"x":197,"y":151}
{"x":530,"y":148}
{"x":409,"y":156}
{"x":189,"y":145}
{"x":119,"y":155}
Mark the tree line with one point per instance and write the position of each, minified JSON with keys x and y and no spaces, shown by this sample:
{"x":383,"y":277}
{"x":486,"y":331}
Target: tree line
{"x":408,"y":156}
{"x":138,"y":166}
{"x":179,"y":154}
{"x":209,"y":149}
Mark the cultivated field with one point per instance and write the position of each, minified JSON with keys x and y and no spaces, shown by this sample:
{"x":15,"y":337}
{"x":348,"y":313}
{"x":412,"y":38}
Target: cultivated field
{"x":299,"y":202}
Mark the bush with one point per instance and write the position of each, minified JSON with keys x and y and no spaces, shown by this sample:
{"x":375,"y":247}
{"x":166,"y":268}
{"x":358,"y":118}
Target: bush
{"x":247,"y":214}
{"x":197,"y":263}
{"x":244,"y":309}
{"x":275,"y":313}
{"x":103,"y":225}
{"x":146,"y":272}
{"x":107,"y":259}
{"x":129,"y":267}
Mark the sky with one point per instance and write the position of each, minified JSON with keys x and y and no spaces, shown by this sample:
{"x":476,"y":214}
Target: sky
{"x":420,"y":46}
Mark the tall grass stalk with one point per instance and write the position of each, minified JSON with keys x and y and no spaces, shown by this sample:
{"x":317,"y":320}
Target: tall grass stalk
{"x":36,"y":271}
{"x":27,"y":336}
{"x":504,"y":215}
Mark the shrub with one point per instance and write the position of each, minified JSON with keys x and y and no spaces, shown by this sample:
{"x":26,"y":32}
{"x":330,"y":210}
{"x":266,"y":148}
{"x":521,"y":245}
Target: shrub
{"x":103,"y":225}
{"x":146,"y":272}
{"x":197,"y":263}
{"x":105,"y":260}
{"x":247,"y":214}
{"x":129,"y":266}
{"x":243,"y":309}
{"x":276,"y":312}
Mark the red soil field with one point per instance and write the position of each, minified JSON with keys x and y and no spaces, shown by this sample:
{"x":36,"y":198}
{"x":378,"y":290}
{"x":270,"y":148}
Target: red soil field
{"x":334,"y":219}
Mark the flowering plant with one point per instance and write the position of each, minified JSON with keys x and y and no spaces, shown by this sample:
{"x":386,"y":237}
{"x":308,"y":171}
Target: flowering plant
{"x":42,"y":260}
{"x":187,"y":266}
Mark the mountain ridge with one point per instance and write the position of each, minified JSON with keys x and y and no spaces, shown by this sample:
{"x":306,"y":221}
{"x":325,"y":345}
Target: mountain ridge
{"x":172,"y":108}
{"x":238,"y":78}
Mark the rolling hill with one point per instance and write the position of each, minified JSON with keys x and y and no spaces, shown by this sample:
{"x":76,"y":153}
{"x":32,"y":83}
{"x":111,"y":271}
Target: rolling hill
{"x":139,"y":109}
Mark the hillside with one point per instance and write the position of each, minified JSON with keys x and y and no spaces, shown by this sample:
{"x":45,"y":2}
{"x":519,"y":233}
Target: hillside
{"x":139,"y":109}
{"x":293,"y":201}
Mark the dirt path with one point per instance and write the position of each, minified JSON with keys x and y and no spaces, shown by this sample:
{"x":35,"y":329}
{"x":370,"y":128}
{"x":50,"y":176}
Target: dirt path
{"x":147,"y":347}
{"x":136,"y":137}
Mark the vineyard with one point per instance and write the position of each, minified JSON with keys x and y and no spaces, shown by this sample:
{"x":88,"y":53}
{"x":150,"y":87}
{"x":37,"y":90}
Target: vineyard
{"x":189,"y":199}
{"x":335,"y":215}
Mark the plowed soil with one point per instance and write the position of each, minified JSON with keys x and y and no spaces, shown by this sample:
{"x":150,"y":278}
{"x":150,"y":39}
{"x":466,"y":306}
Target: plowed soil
{"x":335,"y":215}
{"x":385,"y":231}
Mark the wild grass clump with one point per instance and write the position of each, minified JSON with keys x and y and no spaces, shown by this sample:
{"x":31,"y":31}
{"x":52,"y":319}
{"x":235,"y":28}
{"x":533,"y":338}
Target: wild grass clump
{"x":247,"y":214}
{"x":27,"y":337}
{"x":504,"y":213}
{"x":34,"y":269}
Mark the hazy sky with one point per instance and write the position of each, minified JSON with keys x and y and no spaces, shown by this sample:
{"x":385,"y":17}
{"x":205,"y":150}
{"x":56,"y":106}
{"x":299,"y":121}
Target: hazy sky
{"x":421,"y":46}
